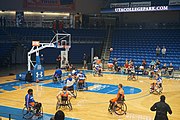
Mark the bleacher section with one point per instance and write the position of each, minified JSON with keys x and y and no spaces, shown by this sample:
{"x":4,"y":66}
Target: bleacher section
{"x":7,"y":45}
{"x":141,"y":44}
{"x":82,"y":41}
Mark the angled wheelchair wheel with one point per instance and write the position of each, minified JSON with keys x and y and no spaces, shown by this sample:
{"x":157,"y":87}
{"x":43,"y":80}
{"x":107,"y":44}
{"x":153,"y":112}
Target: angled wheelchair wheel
{"x":27,"y":114}
{"x":120,"y":108}
{"x":69,"y":105}
{"x":86,"y":86}
{"x":160,"y":91}
{"x":75,"y":93}
{"x":58,"y":106}
{"x":41,"y":112}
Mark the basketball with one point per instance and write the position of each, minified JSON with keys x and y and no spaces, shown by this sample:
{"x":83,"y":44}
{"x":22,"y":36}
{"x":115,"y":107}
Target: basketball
{"x":37,"y":81}
{"x":111,"y":49}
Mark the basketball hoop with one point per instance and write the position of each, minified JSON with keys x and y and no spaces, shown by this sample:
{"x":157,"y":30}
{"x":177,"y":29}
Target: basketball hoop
{"x":66,"y":46}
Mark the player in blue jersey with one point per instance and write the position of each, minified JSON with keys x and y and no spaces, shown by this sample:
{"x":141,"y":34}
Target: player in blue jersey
{"x":70,"y":82}
{"x":159,"y":81}
{"x":57,"y":75}
{"x":30,"y":102}
{"x":81,"y":79}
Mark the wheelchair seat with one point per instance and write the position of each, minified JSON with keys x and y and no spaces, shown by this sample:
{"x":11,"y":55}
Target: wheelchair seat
{"x":64,"y":102}
{"x":29,"y":113}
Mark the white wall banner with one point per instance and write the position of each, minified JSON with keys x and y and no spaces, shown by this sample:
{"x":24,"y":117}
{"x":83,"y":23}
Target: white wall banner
{"x":119,"y":5}
{"x":140,"y":4}
{"x":139,"y":9}
{"x":174,"y":2}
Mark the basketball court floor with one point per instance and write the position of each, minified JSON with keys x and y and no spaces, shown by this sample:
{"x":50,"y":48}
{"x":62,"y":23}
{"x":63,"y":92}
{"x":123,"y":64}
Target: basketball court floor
{"x":91,"y":104}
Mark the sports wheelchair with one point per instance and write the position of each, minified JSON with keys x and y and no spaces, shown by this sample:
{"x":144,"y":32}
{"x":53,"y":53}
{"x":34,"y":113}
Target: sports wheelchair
{"x":131,"y":75}
{"x":155,"y":88}
{"x":64,"y":103}
{"x":57,"y":79}
{"x":28,"y":113}
{"x":152,"y":75}
{"x":97,"y":72}
{"x":73,"y":91}
{"x":119,"y":108}
{"x":81,"y":85}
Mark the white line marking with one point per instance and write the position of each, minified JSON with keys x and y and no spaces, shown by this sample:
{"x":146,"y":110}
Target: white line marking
{"x":112,"y":91}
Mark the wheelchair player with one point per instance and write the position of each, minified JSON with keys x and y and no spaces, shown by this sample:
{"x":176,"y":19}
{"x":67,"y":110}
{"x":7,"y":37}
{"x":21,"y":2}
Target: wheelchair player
{"x":30,"y":103}
{"x":118,"y":99}
{"x":70,"y":84}
{"x":57,"y":75}
{"x":157,"y":86}
{"x":97,"y":70}
{"x":64,"y":97}
{"x":131,"y":73}
{"x":81,"y":80}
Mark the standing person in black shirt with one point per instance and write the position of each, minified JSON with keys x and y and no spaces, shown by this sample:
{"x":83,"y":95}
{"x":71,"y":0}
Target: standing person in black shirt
{"x":58,"y":60}
{"x":84,"y":61}
{"x":161,"y":109}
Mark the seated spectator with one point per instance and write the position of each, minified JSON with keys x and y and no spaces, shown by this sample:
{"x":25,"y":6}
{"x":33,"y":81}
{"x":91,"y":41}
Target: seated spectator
{"x":170,"y":69}
{"x":59,"y":115}
{"x":126,"y":66}
{"x":158,"y":63}
{"x":152,"y":64}
{"x":164,"y":69}
{"x":144,"y":63}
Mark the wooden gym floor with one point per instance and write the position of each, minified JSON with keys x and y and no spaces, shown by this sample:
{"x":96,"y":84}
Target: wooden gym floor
{"x":92,"y":105}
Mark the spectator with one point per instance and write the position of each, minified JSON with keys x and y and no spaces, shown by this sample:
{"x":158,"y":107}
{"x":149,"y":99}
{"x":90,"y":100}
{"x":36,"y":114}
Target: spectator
{"x":59,"y":115}
{"x":84,"y":61}
{"x":161,"y":109}
{"x":158,"y":63}
{"x":163,"y":51}
{"x":58,"y":61}
{"x":164,"y":69}
{"x":152,"y":64}
{"x":144,"y":63}
{"x":126,"y":66}
{"x":115,"y":64}
{"x":170,"y":69}
{"x":158,"y":49}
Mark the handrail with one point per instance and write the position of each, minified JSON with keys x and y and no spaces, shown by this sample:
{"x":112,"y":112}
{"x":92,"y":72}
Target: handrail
{"x":107,"y":42}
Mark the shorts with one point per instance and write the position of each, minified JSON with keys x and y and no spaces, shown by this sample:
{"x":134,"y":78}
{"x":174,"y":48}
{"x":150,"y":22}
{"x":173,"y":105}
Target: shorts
{"x":113,"y":100}
{"x":32,"y":104}
{"x":85,"y":62}
{"x":81,"y":81}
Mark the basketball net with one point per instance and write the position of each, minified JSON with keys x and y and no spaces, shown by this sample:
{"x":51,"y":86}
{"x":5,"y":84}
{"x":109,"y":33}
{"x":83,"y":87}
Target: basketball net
{"x":66,"y":46}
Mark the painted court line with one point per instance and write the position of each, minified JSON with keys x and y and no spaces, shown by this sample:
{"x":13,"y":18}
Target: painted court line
{"x":16,"y":114}
{"x":112,"y":91}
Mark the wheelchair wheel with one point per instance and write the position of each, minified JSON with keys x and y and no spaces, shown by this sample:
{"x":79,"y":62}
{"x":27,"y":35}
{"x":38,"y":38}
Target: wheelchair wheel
{"x":74,"y":92}
{"x":41,"y":112}
{"x":69,"y":105}
{"x":120,"y":108}
{"x":160,"y":90}
{"x":86,"y":86}
{"x":27,"y":114}
{"x":58,"y":106}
